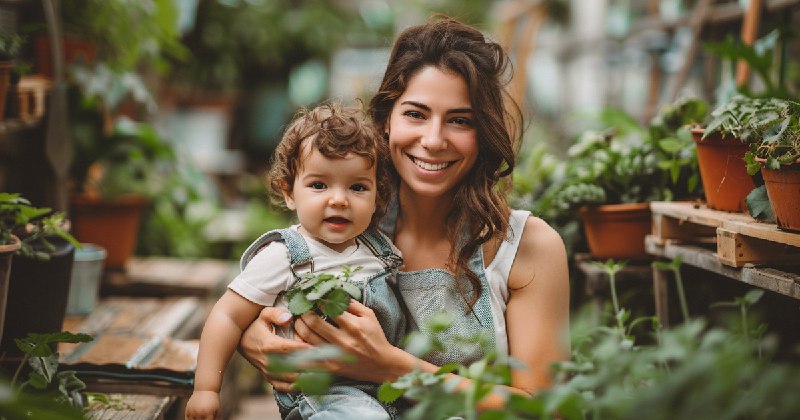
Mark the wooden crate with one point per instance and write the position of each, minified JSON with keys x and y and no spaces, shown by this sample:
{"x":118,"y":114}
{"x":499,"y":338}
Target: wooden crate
{"x":738,"y":238}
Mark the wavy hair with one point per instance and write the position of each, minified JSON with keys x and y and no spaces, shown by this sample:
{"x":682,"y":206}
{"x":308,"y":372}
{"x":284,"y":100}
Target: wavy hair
{"x":481,"y":211}
{"x":335,"y":131}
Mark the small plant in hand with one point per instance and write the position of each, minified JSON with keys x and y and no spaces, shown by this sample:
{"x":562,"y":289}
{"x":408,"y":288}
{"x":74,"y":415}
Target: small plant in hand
{"x":326,"y":294}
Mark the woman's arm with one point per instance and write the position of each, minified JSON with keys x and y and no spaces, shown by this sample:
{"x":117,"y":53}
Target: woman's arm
{"x":537,"y":312}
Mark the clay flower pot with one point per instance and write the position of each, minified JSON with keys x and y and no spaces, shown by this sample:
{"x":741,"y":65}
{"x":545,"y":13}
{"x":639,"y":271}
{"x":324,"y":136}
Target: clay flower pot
{"x":783,"y":189}
{"x":617,"y":230}
{"x":722,"y":169}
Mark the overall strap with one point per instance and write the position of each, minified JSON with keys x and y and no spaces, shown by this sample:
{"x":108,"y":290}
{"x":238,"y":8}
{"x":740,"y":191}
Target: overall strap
{"x":295,"y":243}
{"x":379,"y":245}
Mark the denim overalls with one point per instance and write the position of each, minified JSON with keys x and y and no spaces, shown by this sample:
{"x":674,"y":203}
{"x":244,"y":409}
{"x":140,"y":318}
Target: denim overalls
{"x":345,"y":398}
{"x":427,"y":292}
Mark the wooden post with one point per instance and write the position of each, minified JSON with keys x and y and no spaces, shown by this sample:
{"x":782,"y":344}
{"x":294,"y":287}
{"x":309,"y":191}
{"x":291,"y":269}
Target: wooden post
{"x":752,"y":17}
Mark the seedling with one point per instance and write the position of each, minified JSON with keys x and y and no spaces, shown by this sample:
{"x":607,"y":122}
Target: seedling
{"x":326,"y":294}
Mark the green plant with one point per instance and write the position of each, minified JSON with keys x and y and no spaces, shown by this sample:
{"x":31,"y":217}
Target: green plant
{"x":125,"y":157}
{"x":32,"y":225}
{"x":776,"y":124}
{"x":126,"y":33}
{"x":629,"y":163}
{"x":11,"y":45}
{"x":46,"y":392}
{"x":327,"y":294}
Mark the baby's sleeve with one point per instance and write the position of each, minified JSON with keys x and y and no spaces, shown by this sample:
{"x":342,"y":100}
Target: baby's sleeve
{"x":265,"y":276}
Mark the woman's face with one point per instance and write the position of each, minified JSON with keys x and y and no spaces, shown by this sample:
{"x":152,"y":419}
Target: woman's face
{"x":432,"y":135}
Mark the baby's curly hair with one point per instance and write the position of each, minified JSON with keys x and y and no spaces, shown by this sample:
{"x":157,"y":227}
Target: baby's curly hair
{"x":335,"y":130}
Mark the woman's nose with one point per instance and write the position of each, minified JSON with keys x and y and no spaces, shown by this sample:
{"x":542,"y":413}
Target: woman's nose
{"x":434,"y":139}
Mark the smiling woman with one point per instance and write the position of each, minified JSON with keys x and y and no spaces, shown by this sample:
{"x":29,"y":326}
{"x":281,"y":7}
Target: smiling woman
{"x":432,"y":140}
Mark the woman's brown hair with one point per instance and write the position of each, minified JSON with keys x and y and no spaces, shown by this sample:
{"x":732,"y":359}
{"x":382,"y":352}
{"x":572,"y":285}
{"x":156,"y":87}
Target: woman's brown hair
{"x":335,"y":131}
{"x":452,"y":46}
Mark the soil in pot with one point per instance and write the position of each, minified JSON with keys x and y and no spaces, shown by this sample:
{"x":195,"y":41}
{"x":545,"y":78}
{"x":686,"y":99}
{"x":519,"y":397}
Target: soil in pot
{"x":725,"y":179}
{"x":617,"y":230}
{"x":783,"y":189}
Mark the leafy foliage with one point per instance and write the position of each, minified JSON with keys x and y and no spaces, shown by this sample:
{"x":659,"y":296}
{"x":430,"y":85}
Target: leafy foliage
{"x":693,"y":370}
{"x":32,"y":225}
{"x":628,"y":162}
{"x":327,"y":294}
{"x":47,"y":392}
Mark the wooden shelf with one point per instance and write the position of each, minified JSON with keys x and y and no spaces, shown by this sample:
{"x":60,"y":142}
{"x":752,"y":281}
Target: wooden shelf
{"x":780,"y":279}
{"x":738,"y":238}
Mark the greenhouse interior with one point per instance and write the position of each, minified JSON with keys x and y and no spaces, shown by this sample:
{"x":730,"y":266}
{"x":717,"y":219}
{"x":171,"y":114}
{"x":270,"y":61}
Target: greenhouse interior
{"x":569,"y":209}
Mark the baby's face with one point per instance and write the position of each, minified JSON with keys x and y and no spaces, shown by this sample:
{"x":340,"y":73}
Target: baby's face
{"x":334,"y":198}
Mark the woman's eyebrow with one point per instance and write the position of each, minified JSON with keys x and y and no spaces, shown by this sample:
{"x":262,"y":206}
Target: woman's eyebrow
{"x":427,"y":108}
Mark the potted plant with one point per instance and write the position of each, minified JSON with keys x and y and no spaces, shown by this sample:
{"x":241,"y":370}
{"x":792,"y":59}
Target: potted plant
{"x":34,"y":294}
{"x":114,"y":173}
{"x":721,"y":147}
{"x":10,"y":46}
{"x":612,"y":176}
{"x":776,"y":153}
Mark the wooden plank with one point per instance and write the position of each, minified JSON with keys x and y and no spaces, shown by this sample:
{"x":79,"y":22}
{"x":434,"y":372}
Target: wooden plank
{"x":736,"y":250}
{"x":164,"y":276}
{"x":784,"y":281}
{"x":766,"y":231}
{"x":667,"y":227}
{"x":661,"y":295}
{"x":131,"y":407}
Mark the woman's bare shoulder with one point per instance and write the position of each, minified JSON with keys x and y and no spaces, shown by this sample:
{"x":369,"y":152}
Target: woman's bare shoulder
{"x":541,"y":251}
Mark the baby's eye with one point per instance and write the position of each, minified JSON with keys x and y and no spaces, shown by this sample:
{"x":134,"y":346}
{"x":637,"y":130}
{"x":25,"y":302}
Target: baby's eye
{"x":317,"y":185}
{"x":359,"y":187}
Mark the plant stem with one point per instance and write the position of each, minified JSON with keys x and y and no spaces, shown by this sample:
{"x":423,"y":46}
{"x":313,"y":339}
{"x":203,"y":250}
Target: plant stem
{"x":19,"y":369}
{"x":681,"y":293}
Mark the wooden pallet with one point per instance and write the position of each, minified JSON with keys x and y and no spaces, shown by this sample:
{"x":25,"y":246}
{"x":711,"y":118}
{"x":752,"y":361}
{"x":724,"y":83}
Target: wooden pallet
{"x":739,"y":239}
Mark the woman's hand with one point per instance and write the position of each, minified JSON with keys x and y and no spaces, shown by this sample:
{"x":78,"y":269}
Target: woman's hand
{"x":260,"y":340}
{"x":360,"y":335}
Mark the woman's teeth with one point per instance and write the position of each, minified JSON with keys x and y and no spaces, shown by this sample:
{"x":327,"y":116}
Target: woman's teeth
{"x":430,"y":166}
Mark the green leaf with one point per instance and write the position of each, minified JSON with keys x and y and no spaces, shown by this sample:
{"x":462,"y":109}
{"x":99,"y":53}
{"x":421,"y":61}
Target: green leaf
{"x":321,"y":289}
{"x":351,"y":290}
{"x":335,"y":303}
{"x":670,"y":145}
{"x":299,"y":305}
{"x":387,"y":393}
{"x":314,"y":383}
{"x":758,"y":204}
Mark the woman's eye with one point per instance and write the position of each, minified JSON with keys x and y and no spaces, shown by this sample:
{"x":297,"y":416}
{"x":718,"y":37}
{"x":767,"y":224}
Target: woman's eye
{"x":414,"y":114}
{"x":317,"y":185}
{"x":462,"y":121}
{"x":359,"y":188}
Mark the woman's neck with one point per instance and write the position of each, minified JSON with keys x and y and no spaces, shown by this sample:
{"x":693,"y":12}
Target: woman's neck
{"x":424,"y":216}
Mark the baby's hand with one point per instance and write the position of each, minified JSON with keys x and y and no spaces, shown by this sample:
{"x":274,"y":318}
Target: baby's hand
{"x":203,"y":405}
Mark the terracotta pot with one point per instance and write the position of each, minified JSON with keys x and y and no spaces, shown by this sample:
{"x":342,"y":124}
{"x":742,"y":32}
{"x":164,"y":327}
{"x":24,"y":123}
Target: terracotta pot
{"x":73,"y":49}
{"x":617,"y":230}
{"x":783,"y":189}
{"x":6,"y":257}
{"x":722,"y":169}
{"x":112,"y":224}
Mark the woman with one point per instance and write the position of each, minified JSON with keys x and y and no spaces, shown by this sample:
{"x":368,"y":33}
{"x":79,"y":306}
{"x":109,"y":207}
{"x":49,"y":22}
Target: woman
{"x":441,"y":107}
